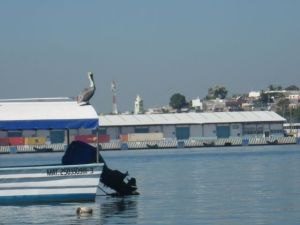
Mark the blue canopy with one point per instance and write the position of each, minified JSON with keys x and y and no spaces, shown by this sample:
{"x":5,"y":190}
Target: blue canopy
{"x":46,"y":115}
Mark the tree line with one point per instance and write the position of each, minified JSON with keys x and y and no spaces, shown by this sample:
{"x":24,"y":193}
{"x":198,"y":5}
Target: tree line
{"x":178,"y":101}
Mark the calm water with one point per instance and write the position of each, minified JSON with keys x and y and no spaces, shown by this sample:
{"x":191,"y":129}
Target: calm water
{"x":232,"y":185}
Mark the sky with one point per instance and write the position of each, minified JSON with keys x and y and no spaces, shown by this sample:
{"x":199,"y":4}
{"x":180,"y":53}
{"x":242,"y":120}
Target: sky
{"x":153,"y":48}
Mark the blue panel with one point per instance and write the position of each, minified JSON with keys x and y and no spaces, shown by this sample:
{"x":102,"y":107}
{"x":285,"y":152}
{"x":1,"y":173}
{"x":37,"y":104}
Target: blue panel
{"x":14,"y":200}
{"x":223,"y":131}
{"x":14,"y":134}
{"x":48,"y":124}
{"x":180,"y":144}
{"x":245,"y":142}
{"x":141,"y":130}
{"x":182,"y":133}
{"x":57,"y":136}
{"x":124,"y":146}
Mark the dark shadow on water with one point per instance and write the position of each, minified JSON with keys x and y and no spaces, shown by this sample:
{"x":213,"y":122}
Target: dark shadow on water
{"x":115,"y":208}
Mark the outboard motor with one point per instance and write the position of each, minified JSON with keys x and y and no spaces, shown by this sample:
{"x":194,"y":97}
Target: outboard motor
{"x":115,"y":180}
{"x":81,"y":153}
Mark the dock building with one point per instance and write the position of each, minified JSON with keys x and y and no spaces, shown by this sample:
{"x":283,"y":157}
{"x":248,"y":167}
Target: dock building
{"x":195,"y":125}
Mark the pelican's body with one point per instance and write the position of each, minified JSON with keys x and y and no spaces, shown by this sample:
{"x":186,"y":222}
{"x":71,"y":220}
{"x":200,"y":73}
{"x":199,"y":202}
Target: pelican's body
{"x":84,"y":211}
{"x":87,"y":93}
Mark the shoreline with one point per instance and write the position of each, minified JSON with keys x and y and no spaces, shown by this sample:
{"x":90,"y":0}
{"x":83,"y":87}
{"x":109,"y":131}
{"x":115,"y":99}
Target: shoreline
{"x":160,"y":144}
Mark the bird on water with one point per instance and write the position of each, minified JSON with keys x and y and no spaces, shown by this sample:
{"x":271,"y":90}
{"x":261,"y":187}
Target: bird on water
{"x":87,"y":93}
{"x":84,"y":211}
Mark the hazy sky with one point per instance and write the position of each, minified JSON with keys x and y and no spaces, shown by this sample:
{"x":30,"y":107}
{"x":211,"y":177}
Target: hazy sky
{"x":154,"y":48}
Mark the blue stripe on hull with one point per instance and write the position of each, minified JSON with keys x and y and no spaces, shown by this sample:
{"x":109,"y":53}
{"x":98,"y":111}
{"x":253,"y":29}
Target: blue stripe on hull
{"x":25,"y":199}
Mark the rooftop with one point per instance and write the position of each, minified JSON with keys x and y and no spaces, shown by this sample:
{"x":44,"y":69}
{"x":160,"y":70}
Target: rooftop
{"x":189,"y":118}
{"x":42,"y":114}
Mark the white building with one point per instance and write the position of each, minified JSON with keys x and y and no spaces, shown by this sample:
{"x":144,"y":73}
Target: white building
{"x":215,"y":105}
{"x":197,"y":104}
{"x":254,"y":94}
{"x":195,"y":125}
{"x":138,"y":105}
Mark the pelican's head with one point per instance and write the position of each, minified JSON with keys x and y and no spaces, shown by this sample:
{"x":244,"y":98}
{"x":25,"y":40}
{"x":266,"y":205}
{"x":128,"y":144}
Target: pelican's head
{"x":91,"y":78}
{"x":90,"y":75}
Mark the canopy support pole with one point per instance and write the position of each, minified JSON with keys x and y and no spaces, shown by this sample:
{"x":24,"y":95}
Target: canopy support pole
{"x":98,"y":149}
{"x":68,"y":137}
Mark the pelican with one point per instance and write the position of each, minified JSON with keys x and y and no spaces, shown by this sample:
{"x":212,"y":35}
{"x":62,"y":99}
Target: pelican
{"x":84,"y":211}
{"x":87,"y":93}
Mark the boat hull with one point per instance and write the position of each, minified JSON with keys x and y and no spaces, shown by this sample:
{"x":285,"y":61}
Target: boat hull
{"x":55,"y":183}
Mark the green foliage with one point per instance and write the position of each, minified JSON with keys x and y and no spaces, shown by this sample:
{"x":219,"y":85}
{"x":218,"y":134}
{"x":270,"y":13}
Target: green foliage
{"x":283,"y":107}
{"x":292,"y":88}
{"x":217,"y":92}
{"x":295,"y":115}
{"x":274,"y":87}
{"x":177,"y":101}
{"x":266,"y":97}
{"x":291,"y":115}
{"x":272,"y":95}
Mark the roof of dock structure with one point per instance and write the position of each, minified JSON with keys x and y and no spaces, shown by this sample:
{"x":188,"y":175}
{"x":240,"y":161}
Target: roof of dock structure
{"x":46,"y":114}
{"x":190,"y":118}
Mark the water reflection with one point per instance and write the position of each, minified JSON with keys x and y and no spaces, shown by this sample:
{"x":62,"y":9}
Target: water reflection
{"x":114,"y":209}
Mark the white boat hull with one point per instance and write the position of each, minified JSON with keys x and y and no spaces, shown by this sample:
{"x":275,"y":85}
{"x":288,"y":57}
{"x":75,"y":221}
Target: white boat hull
{"x":55,"y":183}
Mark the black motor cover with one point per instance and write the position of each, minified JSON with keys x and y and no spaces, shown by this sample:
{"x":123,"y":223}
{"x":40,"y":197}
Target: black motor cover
{"x":80,"y":153}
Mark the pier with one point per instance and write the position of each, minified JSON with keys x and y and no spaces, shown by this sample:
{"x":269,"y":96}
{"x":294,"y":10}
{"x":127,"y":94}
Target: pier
{"x":115,"y":145}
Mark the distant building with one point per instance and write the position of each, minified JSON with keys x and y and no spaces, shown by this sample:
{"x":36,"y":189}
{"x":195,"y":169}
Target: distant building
{"x":215,"y":105}
{"x":154,"y":111}
{"x":254,"y":94}
{"x":294,"y":99}
{"x":197,"y":104}
{"x":247,"y":106}
{"x":138,"y":105}
{"x":234,"y":105}
{"x":292,"y":93}
{"x":196,"y":125}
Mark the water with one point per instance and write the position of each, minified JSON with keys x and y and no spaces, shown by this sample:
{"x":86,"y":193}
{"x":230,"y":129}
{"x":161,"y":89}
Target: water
{"x":232,"y":185}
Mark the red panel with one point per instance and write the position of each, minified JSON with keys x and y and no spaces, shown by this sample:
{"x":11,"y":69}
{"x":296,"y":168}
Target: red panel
{"x":104,"y":138}
{"x":4,"y":141}
{"x":92,"y":138}
{"x":86,"y":138}
{"x":16,"y":141}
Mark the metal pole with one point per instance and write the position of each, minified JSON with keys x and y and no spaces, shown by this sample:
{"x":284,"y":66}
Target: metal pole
{"x":98,"y":150}
{"x":68,"y":137}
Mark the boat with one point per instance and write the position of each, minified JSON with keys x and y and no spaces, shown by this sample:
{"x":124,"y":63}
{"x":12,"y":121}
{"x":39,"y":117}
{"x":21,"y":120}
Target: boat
{"x":275,"y":142}
{"x":227,"y":143}
{"x":52,"y":183}
{"x":48,"y":183}
{"x":37,"y":149}
{"x":209,"y":144}
{"x":154,"y":146}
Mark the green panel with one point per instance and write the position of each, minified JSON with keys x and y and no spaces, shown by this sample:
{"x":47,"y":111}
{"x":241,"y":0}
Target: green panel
{"x":14,"y":133}
{"x":182,"y":133}
{"x":101,"y":131}
{"x":57,"y":136}
{"x":141,"y":130}
{"x":223,"y":131}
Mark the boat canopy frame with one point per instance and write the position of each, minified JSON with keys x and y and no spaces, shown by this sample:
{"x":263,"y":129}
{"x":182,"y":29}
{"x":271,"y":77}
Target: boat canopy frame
{"x":47,"y":114}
